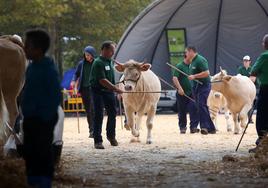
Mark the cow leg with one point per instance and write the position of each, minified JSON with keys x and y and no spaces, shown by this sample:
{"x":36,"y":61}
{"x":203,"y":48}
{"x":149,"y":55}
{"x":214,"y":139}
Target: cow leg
{"x":236,"y":125}
{"x":131,"y":121}
{"x":149,"y":123}
{"x":244,"y":115}
{"x":138,"y":118}
{"x":228,"y":122}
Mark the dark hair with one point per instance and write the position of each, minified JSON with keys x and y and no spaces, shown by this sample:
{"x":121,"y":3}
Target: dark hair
{"x":191,"y":48}
{"x":107,"y":44}
{"x":265,"y":41}
{"x":39,"y":39}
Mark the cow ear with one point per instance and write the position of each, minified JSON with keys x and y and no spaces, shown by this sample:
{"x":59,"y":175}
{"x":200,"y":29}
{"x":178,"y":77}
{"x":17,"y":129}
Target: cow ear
{"x":227,"y":78}
{"x":119,"y":67}
{"x":145,"y":66}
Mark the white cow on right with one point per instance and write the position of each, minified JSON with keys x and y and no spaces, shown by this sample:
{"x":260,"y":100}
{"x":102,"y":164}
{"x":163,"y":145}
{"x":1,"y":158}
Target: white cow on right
{"x":239,"y":92}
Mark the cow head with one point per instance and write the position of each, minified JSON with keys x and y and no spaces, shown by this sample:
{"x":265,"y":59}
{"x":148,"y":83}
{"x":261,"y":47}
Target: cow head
{"x":219,"y":80}
{"x":219,"y":76}
{"x":132,"y":72}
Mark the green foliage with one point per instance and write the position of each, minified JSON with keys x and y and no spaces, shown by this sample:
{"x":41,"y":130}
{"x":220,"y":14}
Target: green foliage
{"x":83,"y":22}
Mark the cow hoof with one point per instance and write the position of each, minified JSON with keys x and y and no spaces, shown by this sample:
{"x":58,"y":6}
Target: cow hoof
{"x":236,"y":132}
{"x":149,"y":142}
{"x":127,"y":127}
{"x":135,"y":133}
{"x":229,"y":130}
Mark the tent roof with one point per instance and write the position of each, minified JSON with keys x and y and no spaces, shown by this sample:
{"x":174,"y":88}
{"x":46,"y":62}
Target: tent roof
{"x":222,"y":30}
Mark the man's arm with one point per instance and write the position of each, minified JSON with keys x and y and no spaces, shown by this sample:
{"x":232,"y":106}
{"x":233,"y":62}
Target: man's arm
{"x":178,"y":85}
{"x":76,"y":74}
{"x":107,"y":84}
{"x":203,"y":74}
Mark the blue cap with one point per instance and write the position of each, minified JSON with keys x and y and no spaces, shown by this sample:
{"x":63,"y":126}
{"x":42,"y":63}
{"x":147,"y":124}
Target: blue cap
{"x":91,"y":50}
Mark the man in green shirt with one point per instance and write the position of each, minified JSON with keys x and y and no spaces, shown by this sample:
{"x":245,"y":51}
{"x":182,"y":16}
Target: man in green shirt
{"x":199,"y":71}
{"x":245,"y":69}
{"x":260,"y":71}
{"x":184,"y":104}
{"x":103,"y":87}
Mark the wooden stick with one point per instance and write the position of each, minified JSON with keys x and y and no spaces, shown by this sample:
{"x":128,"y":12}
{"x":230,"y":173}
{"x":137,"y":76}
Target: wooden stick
{"x":144,"y":92}
{"x":77,"y":112}
{"x":120,"y":113}
{"x":172,"y":66}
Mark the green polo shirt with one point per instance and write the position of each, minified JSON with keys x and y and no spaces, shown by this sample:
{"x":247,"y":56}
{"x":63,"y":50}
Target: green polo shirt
{"x":243,"y":71}
{"x":184,"y":81}
{"x":260,"y":68}
{"x":246,"y":72}
{"x":199,"y":64}
{"x":86,"y":73}
{"x":102,"y":68}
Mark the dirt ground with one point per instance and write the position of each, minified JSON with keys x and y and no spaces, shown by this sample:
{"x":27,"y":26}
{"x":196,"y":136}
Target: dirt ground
{"x":173,"y":160}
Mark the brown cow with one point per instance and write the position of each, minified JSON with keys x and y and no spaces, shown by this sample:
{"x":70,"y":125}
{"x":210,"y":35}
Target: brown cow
{"x":12,"y":70}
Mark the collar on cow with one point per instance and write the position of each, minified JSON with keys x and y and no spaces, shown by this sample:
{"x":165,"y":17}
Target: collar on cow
{"x":135,"y":81}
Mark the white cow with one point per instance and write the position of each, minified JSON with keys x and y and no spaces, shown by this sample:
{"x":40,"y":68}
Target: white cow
{"x":217,"y":103}
{"x":139,"y":78}
{"x":239,"y":92}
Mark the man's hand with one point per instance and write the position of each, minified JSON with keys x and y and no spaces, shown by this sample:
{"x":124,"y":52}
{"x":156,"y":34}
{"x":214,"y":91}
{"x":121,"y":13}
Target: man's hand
{"x":191,"y":77}
{"x":253,"y":79}
{"x":180,"y":91}
{"x":119,"y":91}
{"x":119,"y":97}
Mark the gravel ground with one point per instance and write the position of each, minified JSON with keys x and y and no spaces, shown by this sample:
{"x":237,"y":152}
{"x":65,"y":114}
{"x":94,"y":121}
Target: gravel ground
{"x":172,"y":160}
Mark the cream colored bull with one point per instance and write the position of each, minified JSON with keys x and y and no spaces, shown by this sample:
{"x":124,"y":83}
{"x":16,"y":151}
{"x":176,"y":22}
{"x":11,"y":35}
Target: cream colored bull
{"x":239,"y":92}
{"x":137,"y":77}
{"x":12,"y":70}
{"x":216,"y":103}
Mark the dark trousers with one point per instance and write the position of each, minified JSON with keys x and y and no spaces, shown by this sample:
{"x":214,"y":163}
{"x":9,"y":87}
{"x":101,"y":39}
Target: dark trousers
{"x":262,"y":111}
{"x":185,"y":105}
{"x":38,"y":153}
{"x":88,"y":104}
{"x":104,"y":99}
{"x":201,"y":93}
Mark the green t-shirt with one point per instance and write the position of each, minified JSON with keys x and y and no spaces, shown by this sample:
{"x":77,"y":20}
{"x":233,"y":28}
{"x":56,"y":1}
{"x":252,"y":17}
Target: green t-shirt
{"x":243,"y":71}
{"x":199,"y":64}
{"x":246,"y":72}
{"x":260,"y":68}
{"x":102,"y":68}
{"x":184,"y":81}
{"x":86,"y":73}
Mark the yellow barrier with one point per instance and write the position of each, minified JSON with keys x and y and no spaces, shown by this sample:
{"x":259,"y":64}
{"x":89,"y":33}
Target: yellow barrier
{"x":72,"y":102}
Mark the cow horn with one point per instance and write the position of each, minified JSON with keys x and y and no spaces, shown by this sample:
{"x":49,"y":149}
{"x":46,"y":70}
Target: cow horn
{"x":221,"y":70}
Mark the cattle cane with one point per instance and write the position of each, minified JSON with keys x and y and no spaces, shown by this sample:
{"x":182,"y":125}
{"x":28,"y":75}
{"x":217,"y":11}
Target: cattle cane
{"x":120,"y":112}
{"x":172,"y":66}
{"x":175,"y":88}
{"x":250,"y":116}
{"x":77,"y":110}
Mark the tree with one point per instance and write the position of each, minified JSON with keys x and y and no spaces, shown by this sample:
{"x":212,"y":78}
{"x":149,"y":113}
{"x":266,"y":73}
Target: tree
{"x":72,"y":24}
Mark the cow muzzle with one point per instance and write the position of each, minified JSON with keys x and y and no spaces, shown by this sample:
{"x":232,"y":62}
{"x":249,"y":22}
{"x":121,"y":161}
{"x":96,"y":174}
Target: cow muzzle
{"x":128,"y":87}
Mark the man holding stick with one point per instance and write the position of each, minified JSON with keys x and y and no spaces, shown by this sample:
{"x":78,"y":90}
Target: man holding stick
{"x":260,"y":70}
{"x":184,"y":104}
{"x":199,"y":71}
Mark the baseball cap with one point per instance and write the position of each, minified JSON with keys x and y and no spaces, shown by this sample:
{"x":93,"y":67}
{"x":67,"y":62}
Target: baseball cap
{"x":247,"y":58}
